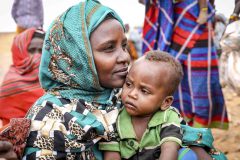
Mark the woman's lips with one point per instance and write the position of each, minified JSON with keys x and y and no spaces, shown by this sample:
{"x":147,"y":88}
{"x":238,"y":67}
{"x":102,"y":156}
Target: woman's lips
{"x":122,"y":72}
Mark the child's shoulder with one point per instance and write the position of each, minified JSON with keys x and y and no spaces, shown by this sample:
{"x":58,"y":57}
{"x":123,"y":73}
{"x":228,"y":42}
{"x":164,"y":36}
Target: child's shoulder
{"x":173,"y":109}
{"x":172,"y":114}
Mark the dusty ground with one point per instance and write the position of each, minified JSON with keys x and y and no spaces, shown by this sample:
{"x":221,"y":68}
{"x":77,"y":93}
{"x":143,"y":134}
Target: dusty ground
{"x":227,"y":141}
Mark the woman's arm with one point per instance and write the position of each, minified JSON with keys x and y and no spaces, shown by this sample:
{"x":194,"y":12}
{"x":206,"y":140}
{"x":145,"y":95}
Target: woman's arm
{"x":201,"y":153}
{"x":169,"y":151}
{"x":108,"y":155}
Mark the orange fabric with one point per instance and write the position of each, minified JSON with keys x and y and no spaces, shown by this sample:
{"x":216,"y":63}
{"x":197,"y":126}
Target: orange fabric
{"x":20,"y":29}
{"x":132,"y":50}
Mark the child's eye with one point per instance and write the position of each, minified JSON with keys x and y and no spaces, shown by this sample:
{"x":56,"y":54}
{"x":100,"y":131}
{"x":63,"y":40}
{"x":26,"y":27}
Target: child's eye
{"x":145,"y":91}
{"x":128,"y":84}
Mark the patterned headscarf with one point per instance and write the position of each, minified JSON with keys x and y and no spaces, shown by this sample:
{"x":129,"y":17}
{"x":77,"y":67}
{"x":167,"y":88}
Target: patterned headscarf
{"x":67,"y":65}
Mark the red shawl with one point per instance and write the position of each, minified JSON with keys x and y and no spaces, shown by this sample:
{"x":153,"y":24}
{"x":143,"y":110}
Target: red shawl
{"x":20,"y":87}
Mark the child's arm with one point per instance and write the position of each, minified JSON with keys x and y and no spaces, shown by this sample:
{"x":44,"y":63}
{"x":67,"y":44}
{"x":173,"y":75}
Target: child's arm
{"x":203,"y":14}
{"x":108,"y":155}
{"x":171,"y":136}
{"x":169,"y":151}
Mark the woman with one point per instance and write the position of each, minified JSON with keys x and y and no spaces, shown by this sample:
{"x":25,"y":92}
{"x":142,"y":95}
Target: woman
{"x":22,"y":78}
{"x":84,"y":58}
{"x":173,"y":27}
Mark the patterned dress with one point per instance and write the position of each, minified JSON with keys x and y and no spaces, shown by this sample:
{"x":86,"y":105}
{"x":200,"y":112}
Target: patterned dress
{"x":76,"y":112}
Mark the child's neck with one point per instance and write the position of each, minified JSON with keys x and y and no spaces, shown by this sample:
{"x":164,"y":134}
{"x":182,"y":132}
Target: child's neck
{"x":140,"y":124}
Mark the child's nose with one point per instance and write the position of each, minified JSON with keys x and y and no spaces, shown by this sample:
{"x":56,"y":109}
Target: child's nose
{"x":133,"y":93}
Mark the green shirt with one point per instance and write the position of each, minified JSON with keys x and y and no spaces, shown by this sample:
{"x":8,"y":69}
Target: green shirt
{"x":164,"y":126}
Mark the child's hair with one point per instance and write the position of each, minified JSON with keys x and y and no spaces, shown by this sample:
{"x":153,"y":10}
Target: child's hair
{"x":177,"y":73}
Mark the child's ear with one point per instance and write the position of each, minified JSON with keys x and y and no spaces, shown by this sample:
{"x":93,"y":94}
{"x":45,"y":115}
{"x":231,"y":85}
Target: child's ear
{"x":167,"y":102}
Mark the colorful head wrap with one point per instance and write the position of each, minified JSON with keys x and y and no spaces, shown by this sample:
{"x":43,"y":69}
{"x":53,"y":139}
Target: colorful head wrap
{"x":67,"y":65}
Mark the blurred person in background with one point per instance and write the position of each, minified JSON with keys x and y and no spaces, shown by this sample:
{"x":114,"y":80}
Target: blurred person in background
{"x":134,"y":42}
{"x":27,"y":14}
{"x":184,"y":29}
{"x":219,"y":26}
{"x":230,"y":57}
{"x":20,"y":87}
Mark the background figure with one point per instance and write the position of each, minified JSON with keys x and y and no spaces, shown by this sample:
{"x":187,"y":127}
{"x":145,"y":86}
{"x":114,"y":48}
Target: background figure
{"x":235,"y":15}
{"x":27,"y":13}
{"x":219,"y":26}
{"x":172,"y":27}
{"x":230,"y":58}
{"x":20,"y":87}
{"x":133,"y":42}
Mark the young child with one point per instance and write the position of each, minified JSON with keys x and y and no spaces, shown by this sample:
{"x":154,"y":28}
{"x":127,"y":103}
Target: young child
{"x":148,"y":127}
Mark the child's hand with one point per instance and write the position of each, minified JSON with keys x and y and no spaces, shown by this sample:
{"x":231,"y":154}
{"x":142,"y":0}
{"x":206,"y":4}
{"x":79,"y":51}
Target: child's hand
{"x":203,"y":16}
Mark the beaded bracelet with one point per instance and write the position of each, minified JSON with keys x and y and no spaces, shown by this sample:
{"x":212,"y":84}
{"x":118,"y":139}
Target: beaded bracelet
{"x":234,"y":17}
{"x":204,"y":9}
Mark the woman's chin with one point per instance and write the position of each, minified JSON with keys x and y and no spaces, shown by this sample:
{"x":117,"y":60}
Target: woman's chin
{"x":116,"y":84}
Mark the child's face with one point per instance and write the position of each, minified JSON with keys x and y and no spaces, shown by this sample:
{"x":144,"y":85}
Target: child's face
{"x":144,"y":91}
{"x":111,"y":58}
{"x":36,"y":45}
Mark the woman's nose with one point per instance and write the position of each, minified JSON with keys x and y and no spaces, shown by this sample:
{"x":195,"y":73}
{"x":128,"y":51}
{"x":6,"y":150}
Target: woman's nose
{"x":123,"y":57}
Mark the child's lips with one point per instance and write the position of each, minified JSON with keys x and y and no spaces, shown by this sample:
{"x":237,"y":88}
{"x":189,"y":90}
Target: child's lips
{"x":130,"y":105}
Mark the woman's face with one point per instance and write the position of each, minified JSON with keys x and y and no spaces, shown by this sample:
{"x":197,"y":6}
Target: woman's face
{"x":111,"y":58}
{"x":36,"y":45}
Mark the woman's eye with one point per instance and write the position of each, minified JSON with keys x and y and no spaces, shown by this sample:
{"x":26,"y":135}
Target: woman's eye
{"x":109,"y":48}
{"x":124,"y":46}
{"x":31,"y":50}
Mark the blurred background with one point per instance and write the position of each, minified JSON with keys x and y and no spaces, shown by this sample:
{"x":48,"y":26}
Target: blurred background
{"x":130,"y":11}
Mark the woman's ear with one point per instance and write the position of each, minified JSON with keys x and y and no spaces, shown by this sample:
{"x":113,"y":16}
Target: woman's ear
{"x":167,"y":102}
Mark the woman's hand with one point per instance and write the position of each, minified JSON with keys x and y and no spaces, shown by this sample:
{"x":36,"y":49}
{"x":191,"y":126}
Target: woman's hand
{"x":203,"y":16}
{"x":201,"y":153}
{"x":6,"y":151}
